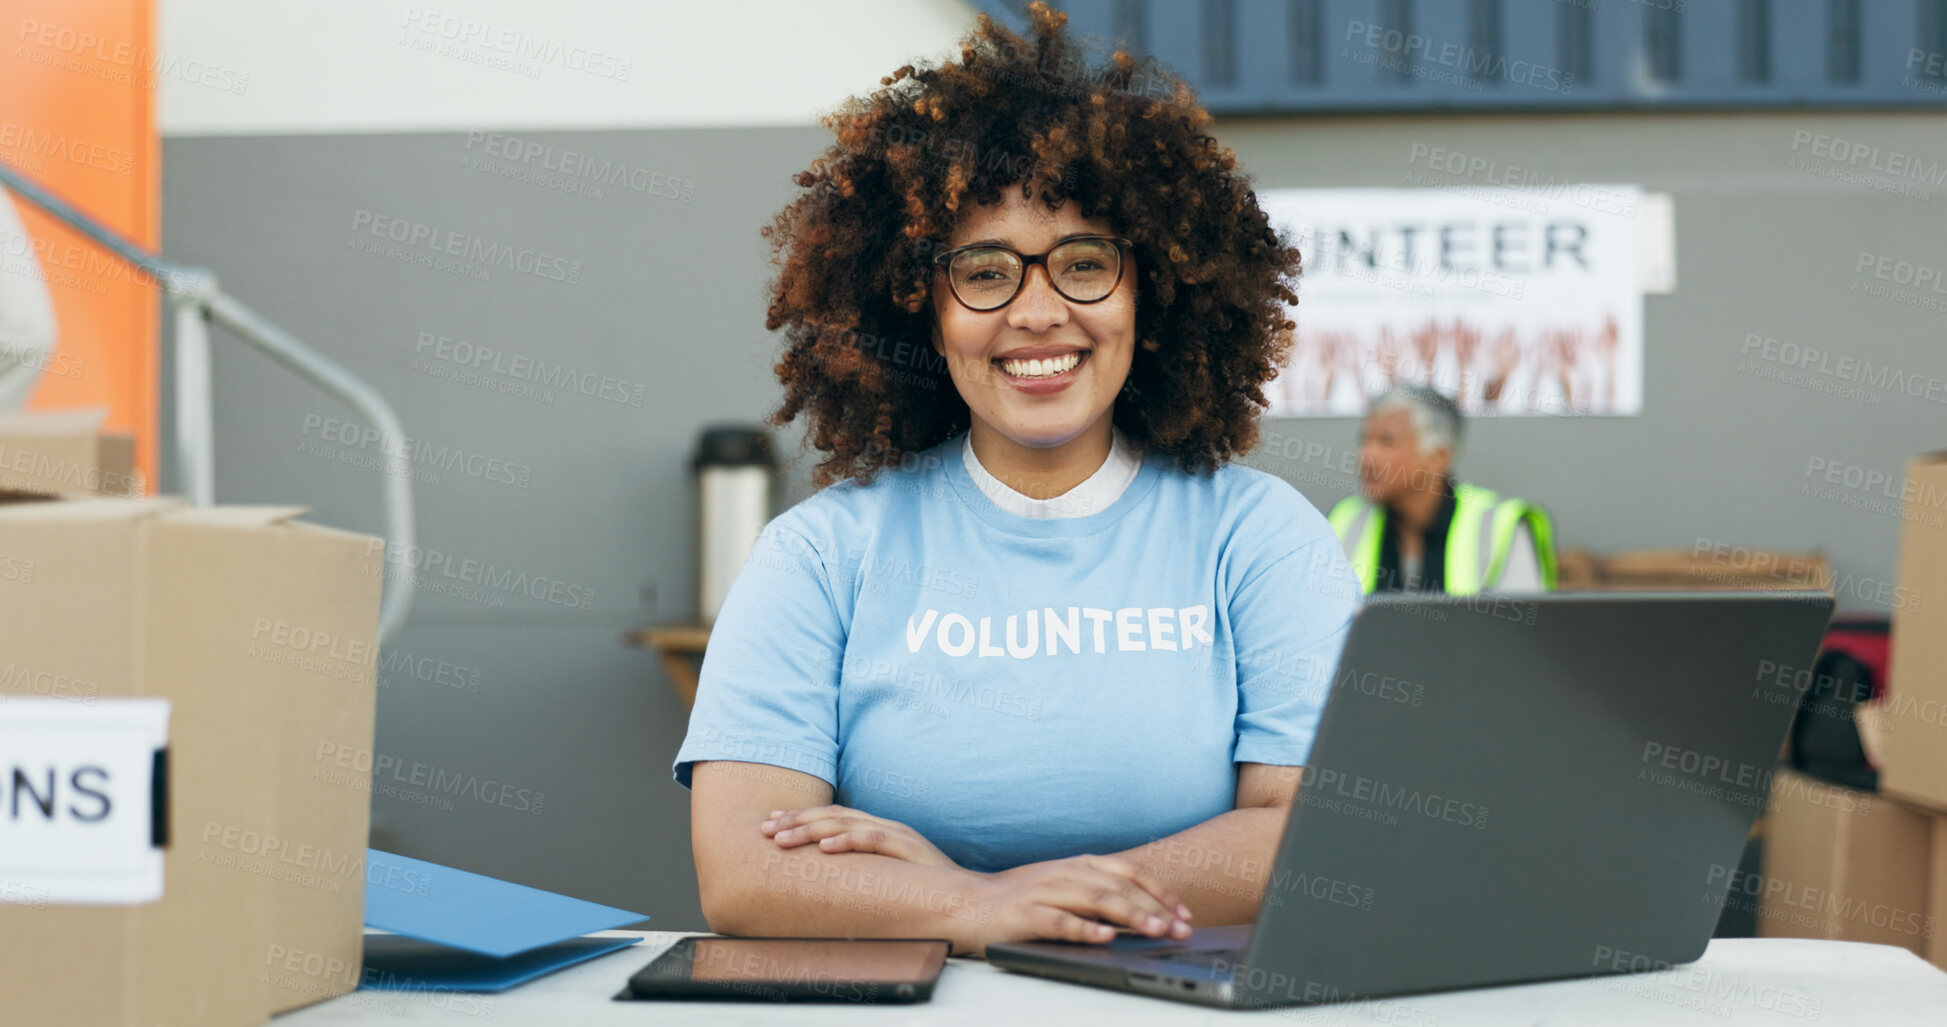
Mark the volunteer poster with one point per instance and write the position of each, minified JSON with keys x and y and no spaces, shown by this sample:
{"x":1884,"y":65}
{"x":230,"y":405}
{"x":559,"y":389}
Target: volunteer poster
{"x":1512,"y":300}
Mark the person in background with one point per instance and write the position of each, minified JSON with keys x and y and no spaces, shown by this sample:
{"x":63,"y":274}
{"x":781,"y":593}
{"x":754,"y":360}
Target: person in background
{"x":26,"y":312}
{"x":1416,"y":529}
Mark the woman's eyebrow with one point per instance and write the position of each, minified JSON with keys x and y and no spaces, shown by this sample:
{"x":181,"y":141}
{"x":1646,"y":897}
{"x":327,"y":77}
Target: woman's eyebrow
{"x":1004,"y":242}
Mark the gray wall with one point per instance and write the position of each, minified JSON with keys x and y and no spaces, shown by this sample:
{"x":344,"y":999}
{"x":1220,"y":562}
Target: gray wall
{"x":669,"y":297}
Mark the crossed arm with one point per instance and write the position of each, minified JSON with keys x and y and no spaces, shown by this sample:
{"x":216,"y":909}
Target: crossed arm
{"x":1221,"y":865}
{"x":775,"y":857}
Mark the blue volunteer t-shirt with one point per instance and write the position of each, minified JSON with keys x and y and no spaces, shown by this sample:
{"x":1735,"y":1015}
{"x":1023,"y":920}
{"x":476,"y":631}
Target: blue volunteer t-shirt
{"x":1021,"y":689}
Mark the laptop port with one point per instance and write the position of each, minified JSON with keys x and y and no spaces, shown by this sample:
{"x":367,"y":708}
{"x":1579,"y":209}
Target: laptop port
{"x":1189,"y":985}
{"x":1134,"y":976}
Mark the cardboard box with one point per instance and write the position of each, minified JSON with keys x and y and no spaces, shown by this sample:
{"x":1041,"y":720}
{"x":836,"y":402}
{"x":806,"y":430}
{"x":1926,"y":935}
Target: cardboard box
{"x":66,"y":452}
{"x":1577,"y":569}
{"x":1844,"y":865}
{"x":261,"y":631}
{"x":1710,"y":565}
{"x":1914,"y":747}
{"x":1937,"y":896}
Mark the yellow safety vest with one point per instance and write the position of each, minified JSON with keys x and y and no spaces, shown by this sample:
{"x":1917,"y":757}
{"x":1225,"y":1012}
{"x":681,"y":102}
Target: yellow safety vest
{"x":1478,"y":538}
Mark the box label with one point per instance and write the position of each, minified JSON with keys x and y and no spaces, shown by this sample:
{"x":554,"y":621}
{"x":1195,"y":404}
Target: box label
{"x":79,"y":822}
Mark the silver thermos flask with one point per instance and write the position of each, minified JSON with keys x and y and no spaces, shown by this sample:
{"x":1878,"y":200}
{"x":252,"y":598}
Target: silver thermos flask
{"x":735,"y":471}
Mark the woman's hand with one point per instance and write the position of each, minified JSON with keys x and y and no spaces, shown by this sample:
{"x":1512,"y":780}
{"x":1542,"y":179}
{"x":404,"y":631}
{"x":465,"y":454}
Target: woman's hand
{"x":1081,"y":898}
{"x":844,"y":829}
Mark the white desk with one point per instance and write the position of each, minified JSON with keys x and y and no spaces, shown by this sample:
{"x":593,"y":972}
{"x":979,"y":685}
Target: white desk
{"x":1738,"y":982}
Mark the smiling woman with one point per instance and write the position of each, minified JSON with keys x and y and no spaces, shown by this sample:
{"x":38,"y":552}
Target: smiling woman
{"x":1031,"y":376}
{"x":1020,"y":144}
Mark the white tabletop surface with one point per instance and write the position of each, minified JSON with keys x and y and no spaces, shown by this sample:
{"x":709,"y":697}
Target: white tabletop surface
{"x":1737,"y":982}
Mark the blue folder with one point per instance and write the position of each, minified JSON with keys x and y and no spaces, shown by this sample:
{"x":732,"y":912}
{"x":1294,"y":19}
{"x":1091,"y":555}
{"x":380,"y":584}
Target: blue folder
{"x":457,"y":931}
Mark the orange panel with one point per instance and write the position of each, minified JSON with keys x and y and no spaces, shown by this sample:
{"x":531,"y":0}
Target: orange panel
{"x":78,"y":78}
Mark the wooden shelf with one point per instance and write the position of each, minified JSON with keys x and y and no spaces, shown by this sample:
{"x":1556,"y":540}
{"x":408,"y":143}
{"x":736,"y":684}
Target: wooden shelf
{"x":681,"y":648}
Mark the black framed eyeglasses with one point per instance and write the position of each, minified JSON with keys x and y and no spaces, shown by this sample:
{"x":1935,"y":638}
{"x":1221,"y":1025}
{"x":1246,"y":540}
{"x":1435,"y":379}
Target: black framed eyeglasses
{"x":985,"y":276}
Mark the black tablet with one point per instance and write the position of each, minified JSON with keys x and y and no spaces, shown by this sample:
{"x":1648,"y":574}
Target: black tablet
{"x":867,"y":971}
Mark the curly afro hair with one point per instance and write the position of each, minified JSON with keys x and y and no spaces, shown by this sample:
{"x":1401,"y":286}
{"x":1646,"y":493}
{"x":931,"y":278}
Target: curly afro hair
{"x":1127,"y":141}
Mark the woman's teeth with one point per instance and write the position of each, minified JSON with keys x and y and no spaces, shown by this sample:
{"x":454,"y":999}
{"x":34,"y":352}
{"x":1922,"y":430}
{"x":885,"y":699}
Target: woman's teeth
{"x":1041,"y":368}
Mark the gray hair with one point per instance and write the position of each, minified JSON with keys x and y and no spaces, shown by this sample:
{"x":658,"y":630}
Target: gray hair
{"x":1435,"y":417}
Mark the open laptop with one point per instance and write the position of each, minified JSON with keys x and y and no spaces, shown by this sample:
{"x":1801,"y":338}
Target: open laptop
{"x":1502,"y":789}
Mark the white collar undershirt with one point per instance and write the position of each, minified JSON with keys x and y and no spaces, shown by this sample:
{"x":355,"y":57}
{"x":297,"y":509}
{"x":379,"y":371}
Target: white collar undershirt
{"x":1093,"y":495}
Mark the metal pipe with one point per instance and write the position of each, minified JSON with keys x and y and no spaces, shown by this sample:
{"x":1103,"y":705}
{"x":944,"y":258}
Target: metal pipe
{"x":105,"y":237}
{"x":326,"y":373}
{"x":195,"y":430}
{"x":197,"y":299}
